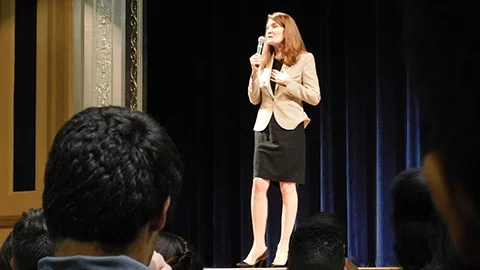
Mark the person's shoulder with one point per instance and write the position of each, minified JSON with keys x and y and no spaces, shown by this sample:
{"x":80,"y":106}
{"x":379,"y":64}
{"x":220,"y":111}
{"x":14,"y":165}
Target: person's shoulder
{"x":306,"y":56}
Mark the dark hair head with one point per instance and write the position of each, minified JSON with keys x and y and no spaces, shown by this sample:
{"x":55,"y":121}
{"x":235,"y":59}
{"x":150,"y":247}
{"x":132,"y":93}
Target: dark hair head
{"x":109,"y":172}
{"x":6,"y":253}
{"x":414,"y":217}
{"x":411,"y":198}
{"x":178,"y":252}
{"x":31,"y":240}
{"x":318,"y":243}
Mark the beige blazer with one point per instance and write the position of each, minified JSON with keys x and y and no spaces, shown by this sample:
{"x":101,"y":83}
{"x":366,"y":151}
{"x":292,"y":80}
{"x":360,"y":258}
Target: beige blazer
{"x":287,"y":103}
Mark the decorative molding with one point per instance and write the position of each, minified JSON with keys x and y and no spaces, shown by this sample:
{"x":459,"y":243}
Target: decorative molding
{"x":7,"y":222}
{"x":133,"y":54}
{"x":103,"y":52}
{"x":144,"y":62}
{"x":109,"y":57}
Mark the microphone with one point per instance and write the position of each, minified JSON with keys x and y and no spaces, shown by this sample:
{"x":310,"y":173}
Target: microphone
{"x":261,"y":39}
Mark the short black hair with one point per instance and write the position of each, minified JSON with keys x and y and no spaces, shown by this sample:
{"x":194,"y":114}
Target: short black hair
{"x":178,"y":252}
{"x":318,"y":243}
{"x":31,"y":240}
{"x":442,"y":53}
{"x":411,"y":198}
{"x":6,"y":253}
{"x":414,"y":219}
{"x":109,"y":172}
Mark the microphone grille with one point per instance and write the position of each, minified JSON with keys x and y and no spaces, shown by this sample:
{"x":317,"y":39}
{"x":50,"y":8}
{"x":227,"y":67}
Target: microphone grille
{"x":261,"y":39}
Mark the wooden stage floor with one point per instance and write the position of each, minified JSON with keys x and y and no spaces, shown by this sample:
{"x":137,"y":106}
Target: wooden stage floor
{"x":360,"y":268}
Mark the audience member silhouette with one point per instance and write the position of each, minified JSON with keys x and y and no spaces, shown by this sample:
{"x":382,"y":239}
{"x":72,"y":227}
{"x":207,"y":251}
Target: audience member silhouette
{"x":318,"y":243}
{"x":6,"y":253}
{"x":110,"y":176}
{"x":178,"y":252}
{"x":30,"y":240}
{"x":421,"y":237}
{"x":414,"y":219}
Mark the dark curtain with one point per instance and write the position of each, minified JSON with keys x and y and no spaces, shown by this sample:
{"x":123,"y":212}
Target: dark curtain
{"x":365,"y":130}
{"x":24,"y":97}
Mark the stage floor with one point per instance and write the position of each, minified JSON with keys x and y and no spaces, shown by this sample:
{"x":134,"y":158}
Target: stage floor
{"x":360,"y":268}
{"x":240,"y":268}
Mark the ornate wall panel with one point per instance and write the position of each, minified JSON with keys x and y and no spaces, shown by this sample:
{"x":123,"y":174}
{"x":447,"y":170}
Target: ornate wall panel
{"x":108,"y":54}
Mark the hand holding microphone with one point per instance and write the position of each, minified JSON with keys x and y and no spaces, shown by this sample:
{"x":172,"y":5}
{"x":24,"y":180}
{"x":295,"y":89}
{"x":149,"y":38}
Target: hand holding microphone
{"x":256,"y":59}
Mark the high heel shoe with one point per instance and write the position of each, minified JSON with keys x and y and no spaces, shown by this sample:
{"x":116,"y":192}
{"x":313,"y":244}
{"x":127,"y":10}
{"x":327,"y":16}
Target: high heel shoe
{"x":279,"y":266}
{"x":259,"y":262}
{"x":274,"y":265}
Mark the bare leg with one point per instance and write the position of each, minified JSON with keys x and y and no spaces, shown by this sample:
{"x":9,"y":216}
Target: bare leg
{"x":289,"y":215}
{"x":259,"y":209}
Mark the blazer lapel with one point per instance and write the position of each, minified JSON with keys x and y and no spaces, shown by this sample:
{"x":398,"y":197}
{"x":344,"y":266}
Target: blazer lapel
{"x":267,"y":75}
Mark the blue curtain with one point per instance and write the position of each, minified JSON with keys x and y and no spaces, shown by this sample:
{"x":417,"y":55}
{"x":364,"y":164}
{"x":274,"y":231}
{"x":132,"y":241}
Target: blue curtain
{"x":366,"y":129}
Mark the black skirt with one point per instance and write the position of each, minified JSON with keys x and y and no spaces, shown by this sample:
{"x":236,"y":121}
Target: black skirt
{"x":279,"y":154}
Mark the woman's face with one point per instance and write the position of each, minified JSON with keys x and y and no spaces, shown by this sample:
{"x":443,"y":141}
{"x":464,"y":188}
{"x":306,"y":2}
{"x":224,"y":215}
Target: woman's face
{"x":274,"y":34}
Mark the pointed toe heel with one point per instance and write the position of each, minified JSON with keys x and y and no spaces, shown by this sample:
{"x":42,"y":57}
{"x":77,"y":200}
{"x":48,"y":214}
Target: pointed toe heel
{"x":260,"y":262}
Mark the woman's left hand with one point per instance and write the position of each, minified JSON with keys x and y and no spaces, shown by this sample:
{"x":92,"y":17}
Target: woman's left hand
{"x":279,"y":77}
